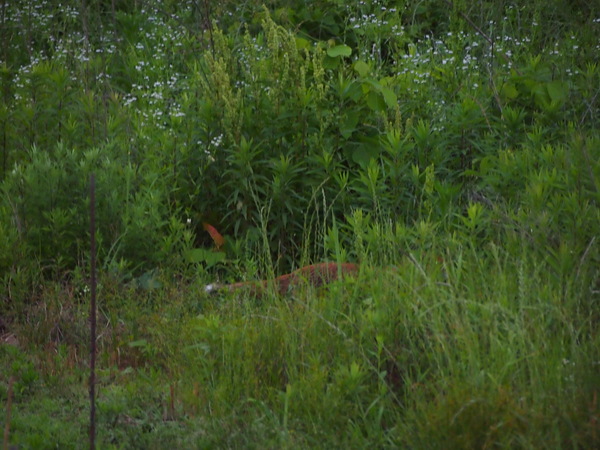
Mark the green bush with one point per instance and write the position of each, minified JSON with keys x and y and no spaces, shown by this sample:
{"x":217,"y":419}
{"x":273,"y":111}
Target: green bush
{"x":390,"y":109}
{"x":48,"y":199}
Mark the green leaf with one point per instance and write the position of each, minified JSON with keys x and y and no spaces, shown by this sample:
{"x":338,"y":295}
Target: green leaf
{"x":510,"y":91}
{"x":378,"y":94}
{"x":196,"y":255}
{"x":339,"y":50}
{"x":348,"y":124}
{"x":362,"y":68}
{"x":375,"y":101}
{"x":557,"y":90}
{"x":391,"y":100}
{"x":330,"y":63}
{"x":148,"y":281}
{"x":202,"y":255}
{"x":370,"y":82}
{"x":364,"y":153}
{"x":302,"y":43}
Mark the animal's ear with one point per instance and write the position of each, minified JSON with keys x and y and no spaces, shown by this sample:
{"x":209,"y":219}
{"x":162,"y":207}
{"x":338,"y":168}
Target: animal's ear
{"x":214,"y":234}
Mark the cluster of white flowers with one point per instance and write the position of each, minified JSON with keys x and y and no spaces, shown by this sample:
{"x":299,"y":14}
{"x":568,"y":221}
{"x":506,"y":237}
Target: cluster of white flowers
{"x":377,"y":17}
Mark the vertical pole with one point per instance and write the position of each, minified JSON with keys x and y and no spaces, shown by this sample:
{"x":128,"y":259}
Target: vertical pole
{"x":9,"y":395}
{"x":93,"y":312}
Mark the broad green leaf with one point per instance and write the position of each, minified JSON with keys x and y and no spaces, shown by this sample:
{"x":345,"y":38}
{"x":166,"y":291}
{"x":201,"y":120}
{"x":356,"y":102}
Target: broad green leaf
{"x":375,"y":101}
{"x":348,"y":124}
{"x":362,"y":68}
{"x":391,"y":100}
{"x":202,"y":255}
{"x":370,"y":82}
{"x":364,"y":154}
{"x":330,"y":63}
{"x":339,"y":50}
{"x":148,"y":281}
{"x":196,"y":255}
{"x":557,"y":90}
{"x":302,"y":43}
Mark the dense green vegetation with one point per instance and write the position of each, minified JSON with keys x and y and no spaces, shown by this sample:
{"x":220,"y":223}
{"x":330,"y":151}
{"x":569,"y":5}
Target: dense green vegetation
{"x":458,"y":142}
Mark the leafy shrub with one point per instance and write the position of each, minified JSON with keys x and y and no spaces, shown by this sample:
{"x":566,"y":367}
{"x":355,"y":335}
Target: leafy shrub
{"x":403,"y":114}
{"x":49,"y":201}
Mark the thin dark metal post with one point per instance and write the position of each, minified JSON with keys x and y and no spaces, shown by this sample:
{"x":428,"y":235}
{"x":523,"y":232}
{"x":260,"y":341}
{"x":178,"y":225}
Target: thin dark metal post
{"x":93,"y":312}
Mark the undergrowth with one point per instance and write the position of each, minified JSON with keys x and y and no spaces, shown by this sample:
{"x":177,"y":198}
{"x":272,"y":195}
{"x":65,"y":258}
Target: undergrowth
{"x":450,"y":349}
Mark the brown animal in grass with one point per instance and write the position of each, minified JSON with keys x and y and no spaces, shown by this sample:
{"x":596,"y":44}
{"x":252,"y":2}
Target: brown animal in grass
{"x":315,"y":275}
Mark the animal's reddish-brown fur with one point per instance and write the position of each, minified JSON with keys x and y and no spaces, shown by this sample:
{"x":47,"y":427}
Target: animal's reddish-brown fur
{"x":315,"y":275}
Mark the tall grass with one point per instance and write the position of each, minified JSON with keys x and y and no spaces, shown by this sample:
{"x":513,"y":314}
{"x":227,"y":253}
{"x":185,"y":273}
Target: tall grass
{"x":451,"y":348}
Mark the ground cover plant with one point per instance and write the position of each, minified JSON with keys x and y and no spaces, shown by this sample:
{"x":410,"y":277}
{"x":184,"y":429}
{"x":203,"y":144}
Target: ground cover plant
{"x":450,"y":148}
